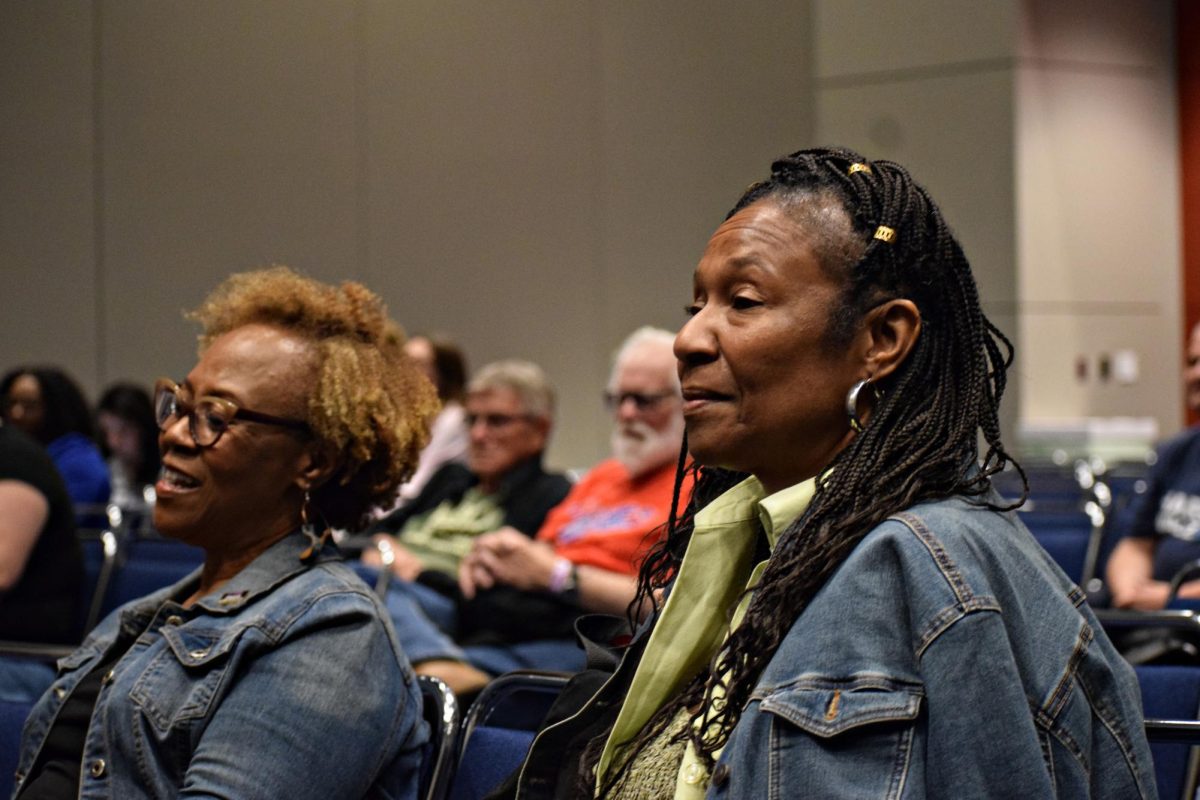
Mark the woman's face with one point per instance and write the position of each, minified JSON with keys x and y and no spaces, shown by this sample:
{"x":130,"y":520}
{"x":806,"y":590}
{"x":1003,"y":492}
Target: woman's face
{"x":23,"y":406}
{"x":122,"y":438}
{"x":763,"y":390}
{"x":247,"y":487}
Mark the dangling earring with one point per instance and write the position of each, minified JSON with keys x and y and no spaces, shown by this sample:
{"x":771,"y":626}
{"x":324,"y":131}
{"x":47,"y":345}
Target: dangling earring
{"x":309,"y":529}
{"x":852,"y":402}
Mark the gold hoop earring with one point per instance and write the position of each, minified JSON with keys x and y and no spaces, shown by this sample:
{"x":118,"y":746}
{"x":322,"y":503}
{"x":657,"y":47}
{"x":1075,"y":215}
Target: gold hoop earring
{"x":309,"y":529}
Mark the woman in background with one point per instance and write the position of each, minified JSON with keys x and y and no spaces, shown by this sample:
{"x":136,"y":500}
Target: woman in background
{"x":48,"y":405}
{"x":129,"y":440}
{"x":444,"y":364}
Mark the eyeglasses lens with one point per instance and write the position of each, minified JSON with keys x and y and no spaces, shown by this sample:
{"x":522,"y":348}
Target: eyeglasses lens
{"x":643,"y":401}
{"x":164,"y":406}
{"x":206,"y":421}
{"x":492,"y":421}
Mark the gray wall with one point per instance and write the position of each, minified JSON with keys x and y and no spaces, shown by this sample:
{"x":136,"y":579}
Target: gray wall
{"x":534,"y":178}
{"x":538,"y":178}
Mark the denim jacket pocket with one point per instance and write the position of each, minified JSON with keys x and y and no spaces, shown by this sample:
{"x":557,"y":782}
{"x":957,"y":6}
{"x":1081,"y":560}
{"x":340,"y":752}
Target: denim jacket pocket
{"x":827,"y":712}
{"x":859,"y":734}
{"x":180,"y":682}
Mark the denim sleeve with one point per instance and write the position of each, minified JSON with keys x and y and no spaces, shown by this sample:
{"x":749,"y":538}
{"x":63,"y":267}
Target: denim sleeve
{"x":319,"y":716}
{"x":981,"y":738}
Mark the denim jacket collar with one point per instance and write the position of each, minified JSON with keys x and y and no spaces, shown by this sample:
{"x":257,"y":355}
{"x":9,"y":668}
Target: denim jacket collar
{"x":273,"y":566}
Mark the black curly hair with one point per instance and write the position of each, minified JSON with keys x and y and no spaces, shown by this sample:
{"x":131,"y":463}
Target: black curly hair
{"x":922,"y":441}
{"x":66,"y":410}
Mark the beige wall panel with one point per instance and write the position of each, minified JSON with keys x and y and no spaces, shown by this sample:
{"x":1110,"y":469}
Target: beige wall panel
{"x":542,"y":179}
{"x":868,"y":36}
{"x":1097,"y":186}
{"x":482,"y":159}
{"x":955,"y":135}
{"x":1098,"y":228}
{"x":1053,"y":391}
{"x":47,"y":258}
{"x":228,"y":142}
{"x":688,"y":122}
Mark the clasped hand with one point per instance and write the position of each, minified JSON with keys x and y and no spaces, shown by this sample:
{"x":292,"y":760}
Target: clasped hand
{"x":506,"y":557}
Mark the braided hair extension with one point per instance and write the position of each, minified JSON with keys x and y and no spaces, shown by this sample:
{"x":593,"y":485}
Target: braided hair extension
{"x":921,"y":442}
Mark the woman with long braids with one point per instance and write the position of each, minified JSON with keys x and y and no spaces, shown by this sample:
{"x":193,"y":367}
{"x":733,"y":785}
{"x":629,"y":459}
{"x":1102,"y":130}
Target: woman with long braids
{"x":850,"y":610}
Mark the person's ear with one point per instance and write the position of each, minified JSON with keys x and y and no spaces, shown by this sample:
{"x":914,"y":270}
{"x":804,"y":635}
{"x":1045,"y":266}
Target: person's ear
{"x":890,"y":333}
{"x":318,"y":464}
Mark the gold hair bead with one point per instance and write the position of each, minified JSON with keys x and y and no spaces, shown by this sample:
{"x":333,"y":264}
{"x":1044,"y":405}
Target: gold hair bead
{"x":885,"y":234}
{"x":858,"y":167}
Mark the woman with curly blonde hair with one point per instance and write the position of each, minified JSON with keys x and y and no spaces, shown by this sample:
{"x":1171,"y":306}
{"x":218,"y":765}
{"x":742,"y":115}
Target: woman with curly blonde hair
{"x":301,"y":414}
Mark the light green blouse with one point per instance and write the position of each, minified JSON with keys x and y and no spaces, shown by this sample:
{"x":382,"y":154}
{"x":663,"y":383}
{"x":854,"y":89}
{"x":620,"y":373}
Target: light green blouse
{"x":716,"y":569}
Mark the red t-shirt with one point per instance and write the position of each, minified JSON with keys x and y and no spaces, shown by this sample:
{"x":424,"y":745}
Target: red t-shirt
{"x":607,"y":519}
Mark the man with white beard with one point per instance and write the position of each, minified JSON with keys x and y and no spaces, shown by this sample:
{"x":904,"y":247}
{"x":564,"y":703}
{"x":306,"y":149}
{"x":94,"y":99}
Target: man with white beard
{"x":586,"y":554}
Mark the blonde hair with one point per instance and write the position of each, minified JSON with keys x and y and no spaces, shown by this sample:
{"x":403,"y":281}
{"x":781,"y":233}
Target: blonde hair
{"x":370,"y":403}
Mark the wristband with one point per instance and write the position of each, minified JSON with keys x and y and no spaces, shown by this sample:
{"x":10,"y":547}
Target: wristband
{"x":562,"y":576}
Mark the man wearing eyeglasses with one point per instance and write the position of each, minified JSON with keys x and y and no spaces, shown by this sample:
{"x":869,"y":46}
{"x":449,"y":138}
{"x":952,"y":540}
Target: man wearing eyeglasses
{"x":521,"y":595}
{"x":591,"y":544}
{"x":509,"y":414}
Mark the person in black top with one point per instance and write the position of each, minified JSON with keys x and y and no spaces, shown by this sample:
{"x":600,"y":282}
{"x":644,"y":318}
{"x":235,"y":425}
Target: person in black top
{"x":41,"y":562}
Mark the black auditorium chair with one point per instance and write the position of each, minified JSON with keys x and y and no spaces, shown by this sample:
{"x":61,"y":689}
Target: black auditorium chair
{"x":147,"y":564}
{"x":499,"y":729}
{"x":441,"y":713}
{"x":1171,"y":702}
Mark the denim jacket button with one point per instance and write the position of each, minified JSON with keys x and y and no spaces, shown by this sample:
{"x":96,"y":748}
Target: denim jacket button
{"x":720,"y":775}
{"x":174,"y":619}
{"x":198,"y":653}
{"x":97,"y":768}
{"x":60,"y":692}
{"x":107,"y":679}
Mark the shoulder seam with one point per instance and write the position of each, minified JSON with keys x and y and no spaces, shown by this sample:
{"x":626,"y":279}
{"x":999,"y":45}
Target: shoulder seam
{"x":946,"y":565}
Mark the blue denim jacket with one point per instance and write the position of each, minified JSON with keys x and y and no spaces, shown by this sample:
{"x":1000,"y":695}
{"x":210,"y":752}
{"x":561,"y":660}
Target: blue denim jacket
{"x":948,"y":657}
{"x":288,"y":682}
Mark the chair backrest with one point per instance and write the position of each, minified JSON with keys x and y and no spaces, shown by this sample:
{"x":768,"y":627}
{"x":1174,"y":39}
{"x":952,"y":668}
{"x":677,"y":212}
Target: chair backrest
{"x":100,"y":550}
{"x":1171,"y":693}
{"x":499,"y":729}
{"x":1066,"y":537}
{"x":149,"y":565}
{"x":441,"y":713}
{"x":12,"y":719}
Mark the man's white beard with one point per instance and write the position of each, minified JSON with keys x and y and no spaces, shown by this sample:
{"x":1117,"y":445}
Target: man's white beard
{"x":642,"y":449}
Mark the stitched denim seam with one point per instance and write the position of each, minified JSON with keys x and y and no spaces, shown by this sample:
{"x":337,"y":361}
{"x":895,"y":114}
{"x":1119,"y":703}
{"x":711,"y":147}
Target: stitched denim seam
{"x":1048,"y":755}
{"x":1061,"y":693}
{"x":903,"y":755}
{"x":941,"y":558}
{"x":1106,"y":717}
